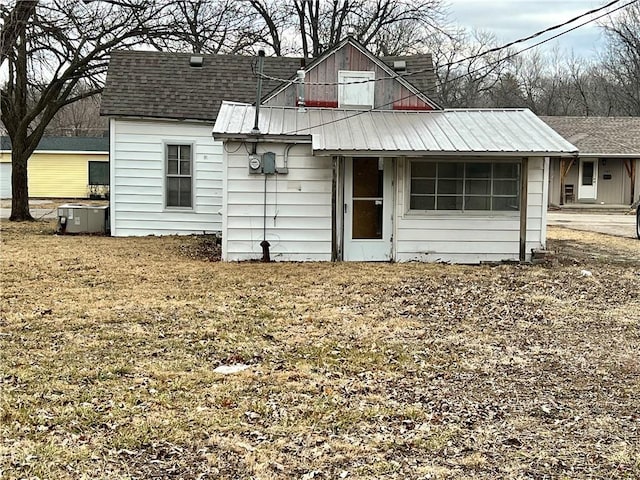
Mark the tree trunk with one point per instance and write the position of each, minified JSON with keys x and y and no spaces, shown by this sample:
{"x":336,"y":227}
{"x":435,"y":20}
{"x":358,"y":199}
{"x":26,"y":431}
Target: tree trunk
{"x":19,"y":185}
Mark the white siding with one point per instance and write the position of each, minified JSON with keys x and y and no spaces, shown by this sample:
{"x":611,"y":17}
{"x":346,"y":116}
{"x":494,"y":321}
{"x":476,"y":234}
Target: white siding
{"x":464,"y":237}
{"x":298,"y":206}
{"x":138,"y":182}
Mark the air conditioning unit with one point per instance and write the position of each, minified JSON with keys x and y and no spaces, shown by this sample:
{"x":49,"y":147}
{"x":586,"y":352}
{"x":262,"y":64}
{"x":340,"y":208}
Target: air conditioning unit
{"x":82,"y":218}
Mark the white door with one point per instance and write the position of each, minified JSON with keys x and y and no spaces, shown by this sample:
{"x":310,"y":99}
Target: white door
{"x":588,"y":181}
{"x":368,"y":207}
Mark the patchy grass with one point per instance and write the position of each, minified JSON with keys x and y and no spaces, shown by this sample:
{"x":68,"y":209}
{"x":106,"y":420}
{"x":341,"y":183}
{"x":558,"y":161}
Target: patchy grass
{"x":108,"y":346}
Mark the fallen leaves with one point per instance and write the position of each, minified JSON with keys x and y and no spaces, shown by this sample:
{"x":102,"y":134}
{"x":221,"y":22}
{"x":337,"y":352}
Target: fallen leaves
{"x":348,"y":370}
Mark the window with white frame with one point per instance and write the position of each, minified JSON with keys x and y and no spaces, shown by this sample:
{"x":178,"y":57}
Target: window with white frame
{"x":179,"y":181}
{"x":356,"y":89}
{"x":465,"y":186}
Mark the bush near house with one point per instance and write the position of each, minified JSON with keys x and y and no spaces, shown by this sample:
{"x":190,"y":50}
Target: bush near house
{"x":108,"y":349}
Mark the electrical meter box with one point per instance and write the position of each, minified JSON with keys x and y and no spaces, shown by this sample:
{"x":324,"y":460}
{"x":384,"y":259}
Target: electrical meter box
{"x":255,"y":163}
{"x":269,"y":163}
{"x":82,"y":218}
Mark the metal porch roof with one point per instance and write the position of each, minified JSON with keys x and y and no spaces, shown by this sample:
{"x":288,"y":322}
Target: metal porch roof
{"x":334,"y":131}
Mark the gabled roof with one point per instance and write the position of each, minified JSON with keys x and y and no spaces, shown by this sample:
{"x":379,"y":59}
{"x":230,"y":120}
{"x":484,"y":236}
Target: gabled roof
{"x":418,"y":78}
{"x":65,"y":144}
{"x":163,"y":85}
{"x":600,"y":136}
{"x":332,"y":131}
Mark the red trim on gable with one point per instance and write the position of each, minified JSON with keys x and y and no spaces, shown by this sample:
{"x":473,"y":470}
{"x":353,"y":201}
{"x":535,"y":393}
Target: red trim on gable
{"x":397,"y":106}
{"x":321,"y":103}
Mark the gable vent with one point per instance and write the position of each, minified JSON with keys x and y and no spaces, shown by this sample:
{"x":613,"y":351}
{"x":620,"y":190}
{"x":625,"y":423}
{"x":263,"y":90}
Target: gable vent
{"x":196,"y":61}
{"x":399,"y":66}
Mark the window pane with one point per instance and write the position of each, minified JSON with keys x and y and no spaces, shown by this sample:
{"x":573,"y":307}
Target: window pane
{"x":449,"y":203}
{"x":172,"y":152}
{"x":449,"y":186}
{"x":478,"y":187}
{"x":506,"y":203}
{"x":423,"y":186}
{"x":505,"y":187}
{"x":367,"y":219}
{"x":367,"y":178}
{"x":587,"y":173}
{"x":185,"y":167}
{"x":173,"y":186}
{"x":478,"y":170}
{"x":477,"y":203}
{"x":172,"y":167}
{"x":450,"y":170}
{"x":185,"y":192}
{"x":423,"y":169}
{"x":98,"y":173}
{"x":419,"y":202}
{"x":185,"y":152}
{"x":506,"y":170}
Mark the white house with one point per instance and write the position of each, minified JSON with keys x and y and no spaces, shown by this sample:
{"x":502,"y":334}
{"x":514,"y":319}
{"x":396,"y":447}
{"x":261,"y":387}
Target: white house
{"x":355,"y":163}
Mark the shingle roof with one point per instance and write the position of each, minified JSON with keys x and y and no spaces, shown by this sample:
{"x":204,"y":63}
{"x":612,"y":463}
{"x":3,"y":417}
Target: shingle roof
{"x":336,"y":131}
{"x":71,"y":144}
{"x":163,"y":85}
{"x":600,"y":136}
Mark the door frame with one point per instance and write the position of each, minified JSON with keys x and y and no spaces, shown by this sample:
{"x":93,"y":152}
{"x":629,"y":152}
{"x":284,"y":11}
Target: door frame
{"x":585,"y":191}
{"x":370,"y":250}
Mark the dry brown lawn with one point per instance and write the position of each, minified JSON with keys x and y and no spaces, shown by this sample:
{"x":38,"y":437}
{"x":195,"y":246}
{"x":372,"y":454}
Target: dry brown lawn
{"x":411,"y":371}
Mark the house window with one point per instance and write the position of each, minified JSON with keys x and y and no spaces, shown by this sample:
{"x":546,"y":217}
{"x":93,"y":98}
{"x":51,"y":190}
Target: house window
{"x":98,"y":173}
{"x":465,"y":186}
{"x":179,"y":176}
{"x":355,"y":89}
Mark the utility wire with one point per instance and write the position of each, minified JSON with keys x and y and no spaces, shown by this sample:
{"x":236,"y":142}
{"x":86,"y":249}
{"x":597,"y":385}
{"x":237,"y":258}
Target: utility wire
{"x":473,"y":57}
{"x":361,"y":112}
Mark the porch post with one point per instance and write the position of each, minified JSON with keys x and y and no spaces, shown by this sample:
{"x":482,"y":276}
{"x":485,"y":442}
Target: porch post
{"x":334,"y":213}
{"x":524,"y":183}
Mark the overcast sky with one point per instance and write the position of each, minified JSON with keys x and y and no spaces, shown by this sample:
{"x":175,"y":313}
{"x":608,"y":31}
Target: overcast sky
{"x":513,"y":19}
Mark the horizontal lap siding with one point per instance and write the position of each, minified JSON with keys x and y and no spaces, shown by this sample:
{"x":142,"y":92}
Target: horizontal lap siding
{"x":138,"y":183}
{"x":467,"y":238}
{"x":298,"y":212}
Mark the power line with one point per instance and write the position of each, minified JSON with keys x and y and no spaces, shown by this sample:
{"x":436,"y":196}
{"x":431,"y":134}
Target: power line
{"x":473,"y":57}
{"x":361,"y":112}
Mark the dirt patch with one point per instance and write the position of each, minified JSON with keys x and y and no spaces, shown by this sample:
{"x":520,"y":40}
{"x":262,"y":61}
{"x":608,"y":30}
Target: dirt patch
{"x":108,"y":348}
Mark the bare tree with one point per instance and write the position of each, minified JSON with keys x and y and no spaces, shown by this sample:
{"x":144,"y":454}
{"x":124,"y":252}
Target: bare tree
{"x":622,"y":59}
{"x":14,"y":22}
{"x":79,"y":119}
{"x":64,"y":43}
{"x":464,"y":73}
{"x":208,"y":26}
{"x":389,"y":27}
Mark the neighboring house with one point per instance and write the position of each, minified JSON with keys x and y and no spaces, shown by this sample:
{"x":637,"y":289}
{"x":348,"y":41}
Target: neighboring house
{"x":61,"y":167}
{"x":606,"y":171}
{"x":326,"y":177}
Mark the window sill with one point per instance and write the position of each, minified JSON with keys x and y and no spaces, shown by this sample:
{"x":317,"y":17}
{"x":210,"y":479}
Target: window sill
{"x":459,"y":213}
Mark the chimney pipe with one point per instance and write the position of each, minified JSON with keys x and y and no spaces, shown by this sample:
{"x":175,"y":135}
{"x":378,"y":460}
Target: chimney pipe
{"x":300,"y":81}
{"x":256,"y":130}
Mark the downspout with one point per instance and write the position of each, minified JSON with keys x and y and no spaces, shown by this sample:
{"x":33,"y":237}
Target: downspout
{"x":256,"y":131}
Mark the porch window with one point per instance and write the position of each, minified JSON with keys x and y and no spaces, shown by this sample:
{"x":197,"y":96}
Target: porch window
{"x":179,"y":179}
{"x":465,"y":186}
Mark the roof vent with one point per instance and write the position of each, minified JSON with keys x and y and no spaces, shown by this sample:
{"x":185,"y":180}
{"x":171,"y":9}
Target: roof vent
{"x":196,"y":61}
{"x":399,"y":66}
